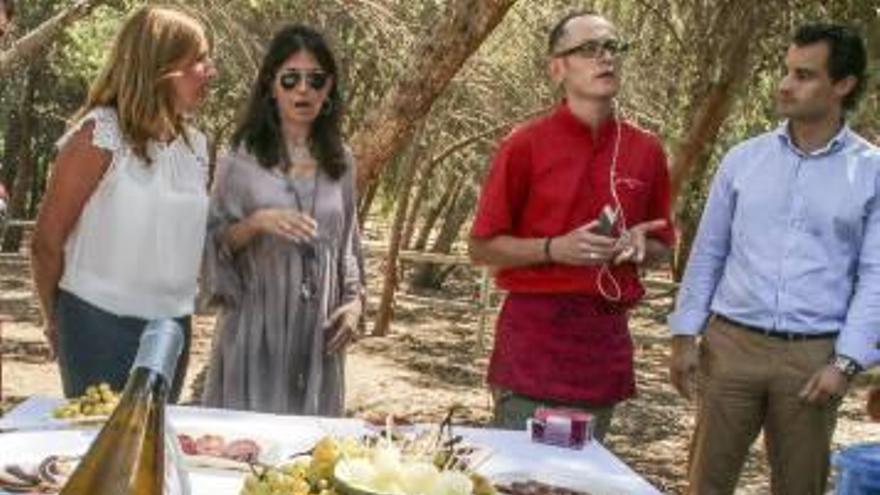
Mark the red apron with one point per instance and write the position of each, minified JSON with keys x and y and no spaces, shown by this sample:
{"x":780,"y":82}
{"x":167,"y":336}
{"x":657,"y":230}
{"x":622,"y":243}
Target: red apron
{"x":563,"y":347}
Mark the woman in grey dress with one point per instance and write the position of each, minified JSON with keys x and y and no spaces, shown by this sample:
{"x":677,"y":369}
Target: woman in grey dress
{"x":283,"y":249}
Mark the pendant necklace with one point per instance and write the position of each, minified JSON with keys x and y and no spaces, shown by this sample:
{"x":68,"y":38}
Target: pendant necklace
{"x":308,"y":249}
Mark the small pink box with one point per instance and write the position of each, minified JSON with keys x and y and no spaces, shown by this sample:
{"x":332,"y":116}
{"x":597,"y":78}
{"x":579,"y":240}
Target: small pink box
{"x":562,"y":427}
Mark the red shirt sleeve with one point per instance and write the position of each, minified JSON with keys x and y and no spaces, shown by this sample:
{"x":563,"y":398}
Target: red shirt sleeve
{"x":660,"y":203}
{"x":504,"y":191}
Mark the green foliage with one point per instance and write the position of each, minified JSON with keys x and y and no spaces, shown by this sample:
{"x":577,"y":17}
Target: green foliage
{"x":82,"y":51}
{"x":672,"y":64}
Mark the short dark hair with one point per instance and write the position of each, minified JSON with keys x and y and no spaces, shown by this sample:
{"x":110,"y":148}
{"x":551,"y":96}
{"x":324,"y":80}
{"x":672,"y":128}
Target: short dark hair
{"x":9,"y":7}
{"x":847,"y":55}
{"x":259,"y":128}
{"x":558,"y":30}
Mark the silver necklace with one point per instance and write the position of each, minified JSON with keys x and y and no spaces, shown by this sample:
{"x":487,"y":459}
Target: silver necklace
{"x":308,"y":249}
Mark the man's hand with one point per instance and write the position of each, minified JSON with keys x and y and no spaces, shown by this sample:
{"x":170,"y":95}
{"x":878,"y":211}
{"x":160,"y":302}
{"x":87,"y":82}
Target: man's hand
{"x":683,"y":365}
{"x":342,"y":326}
{"x":633,"y":242}
{"x":826,"y":384}
{"x":582,"y":246}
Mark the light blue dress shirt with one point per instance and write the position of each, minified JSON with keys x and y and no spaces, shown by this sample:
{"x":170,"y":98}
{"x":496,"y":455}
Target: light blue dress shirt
{"x":791,"y":241}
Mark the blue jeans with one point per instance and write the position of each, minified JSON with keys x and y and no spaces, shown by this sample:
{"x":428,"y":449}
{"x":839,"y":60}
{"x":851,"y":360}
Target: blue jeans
{"x":95,"y":346}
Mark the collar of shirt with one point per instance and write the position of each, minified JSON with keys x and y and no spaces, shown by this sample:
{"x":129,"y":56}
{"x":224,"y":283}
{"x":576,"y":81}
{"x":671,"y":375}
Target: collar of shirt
{"x":833,"y":146}
{"x":566,"y":118}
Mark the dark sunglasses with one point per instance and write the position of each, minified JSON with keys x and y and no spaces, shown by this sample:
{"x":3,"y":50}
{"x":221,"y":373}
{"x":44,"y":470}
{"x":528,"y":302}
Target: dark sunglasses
{"x":314,"y":79}
{"x":595,"y":48}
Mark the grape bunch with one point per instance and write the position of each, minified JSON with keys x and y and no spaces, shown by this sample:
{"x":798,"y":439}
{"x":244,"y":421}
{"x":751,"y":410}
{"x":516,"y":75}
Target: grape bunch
{"x":281,"y":481}
{"x":324,"y":456}
{"x":288,"y":479}
{"x":98,"y":400}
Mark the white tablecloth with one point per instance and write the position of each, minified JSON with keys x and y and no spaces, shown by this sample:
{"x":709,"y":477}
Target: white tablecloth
{"x":514,"y":455}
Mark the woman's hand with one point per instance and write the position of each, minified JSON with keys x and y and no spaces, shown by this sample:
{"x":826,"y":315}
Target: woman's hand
{"x":285,"y":222}
{"x":342,"y":326}
{"x":50,"y":331}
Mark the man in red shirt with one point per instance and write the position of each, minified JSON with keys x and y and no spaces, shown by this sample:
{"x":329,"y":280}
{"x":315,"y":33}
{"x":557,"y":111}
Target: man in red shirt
{"x":562,"y":337}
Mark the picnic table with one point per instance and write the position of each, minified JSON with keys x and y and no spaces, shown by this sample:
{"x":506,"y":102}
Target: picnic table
{"x":29,"y":433}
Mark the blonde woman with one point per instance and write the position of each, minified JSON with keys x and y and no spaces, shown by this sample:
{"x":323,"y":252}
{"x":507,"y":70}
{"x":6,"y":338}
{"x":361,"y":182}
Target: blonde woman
{"x":121,"y":228}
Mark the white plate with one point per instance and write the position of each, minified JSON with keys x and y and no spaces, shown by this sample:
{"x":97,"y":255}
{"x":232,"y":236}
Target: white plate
{"x":30,"y":448}
{"x":34,"y":446}
{"x":270,"y":451}
{"x":36,"y":414}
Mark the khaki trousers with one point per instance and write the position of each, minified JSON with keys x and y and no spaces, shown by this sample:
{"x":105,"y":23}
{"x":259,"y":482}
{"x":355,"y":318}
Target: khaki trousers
{"x":749,"y":382}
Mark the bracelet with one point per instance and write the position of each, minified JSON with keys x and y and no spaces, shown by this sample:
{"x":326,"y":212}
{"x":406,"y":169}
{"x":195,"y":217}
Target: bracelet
{"x":547,"y":257}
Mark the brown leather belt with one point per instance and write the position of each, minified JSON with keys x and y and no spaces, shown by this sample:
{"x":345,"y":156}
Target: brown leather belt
{"x":778,"y":334}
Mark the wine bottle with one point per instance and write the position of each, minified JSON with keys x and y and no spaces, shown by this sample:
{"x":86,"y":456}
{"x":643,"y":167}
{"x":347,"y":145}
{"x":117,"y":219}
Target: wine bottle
{"x":128,"y":455}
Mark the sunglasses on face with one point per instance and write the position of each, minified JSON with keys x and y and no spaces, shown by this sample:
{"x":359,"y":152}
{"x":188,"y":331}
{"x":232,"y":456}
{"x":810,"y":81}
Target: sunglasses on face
{"x":595,"y":48}
{"x":315,"y":79}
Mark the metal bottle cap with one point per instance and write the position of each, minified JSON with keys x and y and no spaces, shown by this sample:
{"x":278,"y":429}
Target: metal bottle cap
{"x":160,"y":347}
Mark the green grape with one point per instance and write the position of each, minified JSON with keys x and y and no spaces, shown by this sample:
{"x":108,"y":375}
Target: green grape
{"x":326,"y":450}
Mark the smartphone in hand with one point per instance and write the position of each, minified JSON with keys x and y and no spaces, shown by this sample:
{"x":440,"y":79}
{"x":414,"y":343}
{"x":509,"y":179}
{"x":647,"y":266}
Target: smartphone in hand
{"x":607,"y":219}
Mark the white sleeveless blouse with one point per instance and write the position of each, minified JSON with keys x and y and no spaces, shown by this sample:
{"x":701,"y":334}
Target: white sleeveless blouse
{"x":137,"y":246}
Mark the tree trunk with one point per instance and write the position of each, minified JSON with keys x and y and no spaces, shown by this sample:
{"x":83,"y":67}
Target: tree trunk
{"x":385,"y":312}
{"x":689,"y":220}
{"x":713,"y":105}
{"x":427,"y":275}
{"x":458,"y":33}
{"x":215,"y":142}
{"x":23,"y":163}
{"x":12,"y":140}
{"x":450,"y":192}
{"x":28,"y":48}
{"x":367,"y":202}
{"x":435,"y":162}
{"x":417,"y":202}
{"x":39,"y":177}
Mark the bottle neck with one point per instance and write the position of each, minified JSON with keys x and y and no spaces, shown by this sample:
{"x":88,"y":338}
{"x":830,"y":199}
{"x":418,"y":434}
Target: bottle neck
{"x":148,"y":381}
{"x":160,"y":347}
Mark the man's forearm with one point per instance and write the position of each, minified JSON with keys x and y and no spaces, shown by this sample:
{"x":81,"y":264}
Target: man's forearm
{"x":507,"y":251}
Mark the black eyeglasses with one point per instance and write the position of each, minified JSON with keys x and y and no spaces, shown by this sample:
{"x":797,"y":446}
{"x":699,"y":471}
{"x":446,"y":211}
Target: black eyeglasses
{"x":315,"y":79}
{"x":595,"y":48}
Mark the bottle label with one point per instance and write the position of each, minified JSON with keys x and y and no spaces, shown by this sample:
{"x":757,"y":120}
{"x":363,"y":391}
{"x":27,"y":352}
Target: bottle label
{"x":160,"y":347}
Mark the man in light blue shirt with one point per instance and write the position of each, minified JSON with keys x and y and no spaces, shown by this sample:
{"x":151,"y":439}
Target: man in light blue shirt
{"x":783,"y":282}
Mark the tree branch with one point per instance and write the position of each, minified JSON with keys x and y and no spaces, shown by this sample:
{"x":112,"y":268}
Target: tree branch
{"x":38,"y":40}
{"x":434,"y":62}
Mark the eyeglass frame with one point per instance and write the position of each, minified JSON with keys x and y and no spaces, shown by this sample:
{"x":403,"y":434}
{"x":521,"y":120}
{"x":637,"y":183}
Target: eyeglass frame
{"x":615,"y":47}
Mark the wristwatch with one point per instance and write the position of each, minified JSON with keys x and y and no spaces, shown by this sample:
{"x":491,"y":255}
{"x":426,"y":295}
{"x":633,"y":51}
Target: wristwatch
{"x":846,"y":365}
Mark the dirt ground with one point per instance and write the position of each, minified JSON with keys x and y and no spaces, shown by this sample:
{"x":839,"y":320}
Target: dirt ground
{"x":432,"y":360}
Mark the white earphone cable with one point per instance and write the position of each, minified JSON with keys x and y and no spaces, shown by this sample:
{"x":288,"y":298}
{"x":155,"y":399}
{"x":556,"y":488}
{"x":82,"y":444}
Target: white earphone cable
{"x":605,"y":276}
